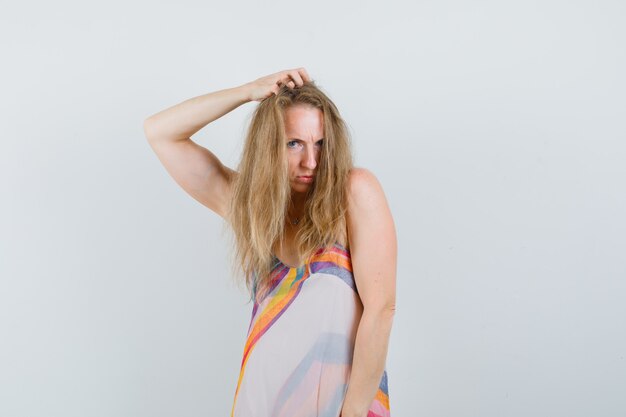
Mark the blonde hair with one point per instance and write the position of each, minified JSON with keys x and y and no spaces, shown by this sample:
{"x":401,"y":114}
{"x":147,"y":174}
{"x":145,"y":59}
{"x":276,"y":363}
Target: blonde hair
{"x":262,"y":194}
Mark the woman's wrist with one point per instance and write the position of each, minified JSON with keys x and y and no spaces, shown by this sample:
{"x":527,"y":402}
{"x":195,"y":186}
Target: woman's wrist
{"x":244,"y":92}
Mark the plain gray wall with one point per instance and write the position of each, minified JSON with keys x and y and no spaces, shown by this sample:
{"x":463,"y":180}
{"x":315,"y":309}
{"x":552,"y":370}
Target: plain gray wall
{"x":496,"y":129}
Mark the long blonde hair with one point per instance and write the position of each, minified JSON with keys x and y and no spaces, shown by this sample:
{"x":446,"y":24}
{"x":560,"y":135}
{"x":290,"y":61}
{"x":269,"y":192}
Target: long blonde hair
{"x":262,"y":194}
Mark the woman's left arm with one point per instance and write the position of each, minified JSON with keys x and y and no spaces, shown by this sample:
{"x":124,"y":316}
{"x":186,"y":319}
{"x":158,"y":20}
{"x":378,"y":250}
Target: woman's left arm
{"x":373,"y":249}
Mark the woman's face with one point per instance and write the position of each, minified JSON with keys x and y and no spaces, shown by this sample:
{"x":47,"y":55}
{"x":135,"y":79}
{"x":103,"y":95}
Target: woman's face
{"x":304,"y":127}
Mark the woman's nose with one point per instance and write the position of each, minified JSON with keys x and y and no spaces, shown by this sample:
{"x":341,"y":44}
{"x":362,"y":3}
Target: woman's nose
{"x":310,"y":159}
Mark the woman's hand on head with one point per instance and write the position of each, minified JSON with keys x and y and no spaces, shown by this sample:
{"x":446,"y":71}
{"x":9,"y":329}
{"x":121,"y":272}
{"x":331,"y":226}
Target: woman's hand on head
{"x":264,"y":87}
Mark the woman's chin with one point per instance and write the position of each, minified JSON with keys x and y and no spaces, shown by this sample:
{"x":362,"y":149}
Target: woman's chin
{"x":300,"y":188}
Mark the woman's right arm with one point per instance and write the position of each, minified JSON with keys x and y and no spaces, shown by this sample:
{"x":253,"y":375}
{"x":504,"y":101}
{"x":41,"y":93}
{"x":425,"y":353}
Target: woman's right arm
{"x":183,"y":120}
{"x":196,"y":169}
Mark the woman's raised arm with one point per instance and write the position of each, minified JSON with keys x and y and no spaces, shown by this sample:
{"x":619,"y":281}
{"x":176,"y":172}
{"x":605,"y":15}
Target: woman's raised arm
{"x":196,"y":169}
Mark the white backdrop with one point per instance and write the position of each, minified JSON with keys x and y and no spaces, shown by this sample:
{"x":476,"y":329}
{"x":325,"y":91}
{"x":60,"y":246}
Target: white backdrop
{"x":495,"y":127}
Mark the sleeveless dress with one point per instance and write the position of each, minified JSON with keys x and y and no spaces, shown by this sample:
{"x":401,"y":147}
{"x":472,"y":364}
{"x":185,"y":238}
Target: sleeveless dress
{"x":300,"y":342}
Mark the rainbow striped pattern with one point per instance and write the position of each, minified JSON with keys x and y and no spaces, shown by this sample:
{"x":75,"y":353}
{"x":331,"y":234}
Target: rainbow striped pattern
{"x":322,"y":366}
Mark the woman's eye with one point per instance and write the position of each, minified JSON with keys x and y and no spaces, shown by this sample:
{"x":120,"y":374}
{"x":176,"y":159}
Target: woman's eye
{"x":293,"y":143}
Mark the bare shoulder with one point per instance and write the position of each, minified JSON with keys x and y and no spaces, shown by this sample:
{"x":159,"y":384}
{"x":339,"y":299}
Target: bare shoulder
{"x":366,"y":202}
{"x":373,"y":242}
{"x":363,"y":186}
{"x":368,"y":213}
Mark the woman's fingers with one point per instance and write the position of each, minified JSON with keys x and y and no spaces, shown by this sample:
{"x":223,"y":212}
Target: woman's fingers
{"x":287,"y":82}
{"x":295,"y":77}
{"x":305,"y":75}
{"x":271,"y":84}
{"x":285,"y":79}
{"x":298,"y":75}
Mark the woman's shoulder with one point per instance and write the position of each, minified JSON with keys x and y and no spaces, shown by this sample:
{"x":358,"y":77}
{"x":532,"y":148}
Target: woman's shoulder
{"x":360,"y":174}
{"x":362,"y":183}
{"x":366,"y":200}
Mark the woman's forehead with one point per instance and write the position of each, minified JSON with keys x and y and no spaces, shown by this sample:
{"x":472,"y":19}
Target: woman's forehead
{"x":303,"y":118}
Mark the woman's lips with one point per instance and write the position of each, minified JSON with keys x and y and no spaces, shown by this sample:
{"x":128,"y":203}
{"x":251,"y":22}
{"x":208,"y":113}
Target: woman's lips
{"x":305,"y":179}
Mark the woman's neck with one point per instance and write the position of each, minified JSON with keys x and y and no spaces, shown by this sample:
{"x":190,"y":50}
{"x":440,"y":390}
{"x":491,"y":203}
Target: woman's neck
{"x":298,"y":201}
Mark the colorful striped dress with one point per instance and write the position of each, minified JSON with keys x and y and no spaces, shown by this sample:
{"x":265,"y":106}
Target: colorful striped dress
{"x":300,"y":342}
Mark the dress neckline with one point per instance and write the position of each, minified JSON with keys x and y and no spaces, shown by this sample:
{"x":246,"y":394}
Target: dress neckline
{"x":279,"y":262}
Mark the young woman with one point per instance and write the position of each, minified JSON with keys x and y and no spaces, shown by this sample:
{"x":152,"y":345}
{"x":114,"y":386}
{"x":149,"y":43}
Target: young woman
{"x":314,"y":237}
